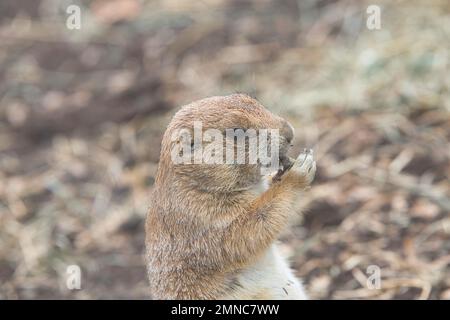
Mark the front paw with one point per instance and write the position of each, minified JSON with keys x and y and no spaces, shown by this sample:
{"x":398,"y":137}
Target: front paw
{"x":305,"y":166}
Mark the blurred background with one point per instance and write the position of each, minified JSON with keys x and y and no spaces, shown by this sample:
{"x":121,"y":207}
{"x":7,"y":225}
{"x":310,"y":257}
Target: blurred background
{"x":82,"y":113}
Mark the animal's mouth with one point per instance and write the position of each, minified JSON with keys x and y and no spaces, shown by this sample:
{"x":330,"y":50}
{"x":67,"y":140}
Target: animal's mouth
{"x":286,"y":162}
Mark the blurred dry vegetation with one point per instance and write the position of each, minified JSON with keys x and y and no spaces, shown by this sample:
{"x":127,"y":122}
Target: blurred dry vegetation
{"x":82,"y":113}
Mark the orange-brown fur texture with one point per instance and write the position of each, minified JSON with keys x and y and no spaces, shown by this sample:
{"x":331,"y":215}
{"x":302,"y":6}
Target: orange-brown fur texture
{"x":206,"y":222}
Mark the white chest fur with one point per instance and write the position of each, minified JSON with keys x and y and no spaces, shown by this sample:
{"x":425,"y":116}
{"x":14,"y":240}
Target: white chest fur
{"x":269,"y":278}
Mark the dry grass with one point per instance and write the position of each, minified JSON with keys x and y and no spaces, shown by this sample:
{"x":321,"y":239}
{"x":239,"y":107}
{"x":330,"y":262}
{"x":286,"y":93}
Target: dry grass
{"x":82,"y":114}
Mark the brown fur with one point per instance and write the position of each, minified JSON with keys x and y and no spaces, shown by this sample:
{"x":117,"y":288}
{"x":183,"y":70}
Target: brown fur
{"x":205,"y":222}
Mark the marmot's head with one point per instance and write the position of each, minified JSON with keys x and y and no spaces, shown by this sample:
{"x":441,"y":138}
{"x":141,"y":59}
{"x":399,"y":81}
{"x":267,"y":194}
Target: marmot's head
{"x":221,"y":143}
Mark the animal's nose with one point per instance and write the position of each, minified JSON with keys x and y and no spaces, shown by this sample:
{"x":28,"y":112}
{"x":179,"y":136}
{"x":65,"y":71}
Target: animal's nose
{"x":287,"y":131}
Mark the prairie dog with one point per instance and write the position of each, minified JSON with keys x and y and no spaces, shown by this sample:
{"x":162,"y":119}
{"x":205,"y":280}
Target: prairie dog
{"x":211,"y":228}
